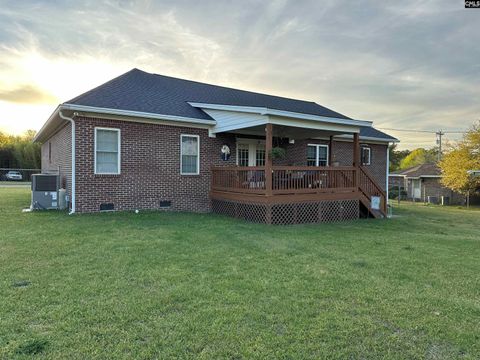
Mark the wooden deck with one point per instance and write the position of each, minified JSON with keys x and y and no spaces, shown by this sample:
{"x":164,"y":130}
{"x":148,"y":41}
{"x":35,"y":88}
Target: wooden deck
{"x":296,"y":184}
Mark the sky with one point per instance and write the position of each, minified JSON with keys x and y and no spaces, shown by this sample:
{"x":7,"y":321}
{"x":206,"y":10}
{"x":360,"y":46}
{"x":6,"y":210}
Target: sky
{"x":411,"y":65}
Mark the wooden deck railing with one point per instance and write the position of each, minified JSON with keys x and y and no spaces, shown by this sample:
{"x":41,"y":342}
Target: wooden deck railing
{"x":248,"y":179}
{"x":300,"y":180}
{"x":307,"y":179}
{"x":369,"y":187}
{"x":285,"y":179}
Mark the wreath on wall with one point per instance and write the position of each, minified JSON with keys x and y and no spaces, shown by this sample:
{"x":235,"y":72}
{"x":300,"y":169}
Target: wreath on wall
{"x":225,"y":152}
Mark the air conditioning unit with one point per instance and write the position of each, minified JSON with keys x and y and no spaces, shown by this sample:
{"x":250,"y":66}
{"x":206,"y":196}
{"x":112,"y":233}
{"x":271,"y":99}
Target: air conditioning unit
{"x":45,"y":191}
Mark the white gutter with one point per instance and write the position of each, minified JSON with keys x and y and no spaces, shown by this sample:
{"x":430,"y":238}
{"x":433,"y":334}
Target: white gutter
{"x":72,"y":122}
{"x":388,"y":171}
{"x":136,"y":114}
{"x":369,"y":138}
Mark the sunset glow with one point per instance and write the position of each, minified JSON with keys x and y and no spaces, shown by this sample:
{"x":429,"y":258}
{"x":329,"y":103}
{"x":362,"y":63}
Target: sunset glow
{"x":376,"y":62}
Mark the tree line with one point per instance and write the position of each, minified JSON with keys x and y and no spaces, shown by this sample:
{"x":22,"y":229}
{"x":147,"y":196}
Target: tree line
{"x":19,"y":151}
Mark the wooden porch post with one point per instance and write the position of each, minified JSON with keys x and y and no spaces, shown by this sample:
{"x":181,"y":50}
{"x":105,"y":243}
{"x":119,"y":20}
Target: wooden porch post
{"x":268,"y":170}
{"x":356,"y":157}
{"x":268,"y":156}
{"x":356,"y":150}
{"x":330,"y":151}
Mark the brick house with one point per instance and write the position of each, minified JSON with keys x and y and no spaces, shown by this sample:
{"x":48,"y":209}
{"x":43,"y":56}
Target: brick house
{"x":422,"y":183}
{"x":147,"y":141}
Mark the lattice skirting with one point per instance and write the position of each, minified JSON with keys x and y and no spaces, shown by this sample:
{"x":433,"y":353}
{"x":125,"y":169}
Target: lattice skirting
{"x":285,"y":214}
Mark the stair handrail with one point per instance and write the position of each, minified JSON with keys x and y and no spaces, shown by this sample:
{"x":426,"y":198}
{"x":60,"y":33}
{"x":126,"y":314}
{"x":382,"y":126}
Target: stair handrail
{"x":378,"y":189}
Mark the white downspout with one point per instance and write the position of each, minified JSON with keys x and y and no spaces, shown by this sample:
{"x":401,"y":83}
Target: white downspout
{"x":72,"y":122}
{"x":388,"y":171}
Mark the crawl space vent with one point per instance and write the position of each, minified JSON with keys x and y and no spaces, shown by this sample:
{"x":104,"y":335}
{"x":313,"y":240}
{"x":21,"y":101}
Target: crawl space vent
{"x":106,"y":206}
{"x":165,"y":204}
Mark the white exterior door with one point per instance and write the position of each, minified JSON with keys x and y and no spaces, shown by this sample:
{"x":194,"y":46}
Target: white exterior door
{"x":417,"y":188}
{"x":250,"y":152}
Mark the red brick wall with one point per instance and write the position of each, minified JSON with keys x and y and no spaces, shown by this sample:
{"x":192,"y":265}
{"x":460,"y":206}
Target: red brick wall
{"x":150,"y":168}
{"x":150,"y":165}
{"x":61,"y":156}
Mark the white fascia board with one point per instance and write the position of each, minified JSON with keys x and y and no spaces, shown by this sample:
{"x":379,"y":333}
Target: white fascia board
{"x":136,"y":114}
{"x":368,"y":138}
{"x":119,"y":115}
{"x":50,"y":121}
{"x":423,"y":177}
{"x":308,"y":124}
{"x":289,"y":114}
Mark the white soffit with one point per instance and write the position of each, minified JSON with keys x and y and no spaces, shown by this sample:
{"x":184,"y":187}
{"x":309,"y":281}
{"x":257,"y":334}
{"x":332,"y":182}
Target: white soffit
{"x":229,"y":118}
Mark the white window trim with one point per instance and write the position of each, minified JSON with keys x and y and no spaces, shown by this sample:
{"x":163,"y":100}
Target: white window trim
{"x":119,"y":137}
{"x":198,"y":154}
{"x":369,"y":155}
{"x":317,"y":153}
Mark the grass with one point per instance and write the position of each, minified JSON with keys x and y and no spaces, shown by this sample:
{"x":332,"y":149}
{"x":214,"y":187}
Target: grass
{"x":14,"y":183}
{"x":166,"y":285}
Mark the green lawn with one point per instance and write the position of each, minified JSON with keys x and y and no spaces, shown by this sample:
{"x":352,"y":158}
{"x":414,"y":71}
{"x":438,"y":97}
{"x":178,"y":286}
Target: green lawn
{"x":166,"y":285}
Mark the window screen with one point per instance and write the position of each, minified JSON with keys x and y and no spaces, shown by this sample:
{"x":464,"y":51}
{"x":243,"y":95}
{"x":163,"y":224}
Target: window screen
{"x":189,"y":154}
{"x":366,"y":156}
{"x":107,"y":155}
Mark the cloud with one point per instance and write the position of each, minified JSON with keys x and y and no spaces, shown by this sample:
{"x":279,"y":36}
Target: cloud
{"x":27,"y":94}
{"x":408,"y":64}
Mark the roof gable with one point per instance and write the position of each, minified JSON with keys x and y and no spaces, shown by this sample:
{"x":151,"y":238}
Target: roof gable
{"x":140,"y":91}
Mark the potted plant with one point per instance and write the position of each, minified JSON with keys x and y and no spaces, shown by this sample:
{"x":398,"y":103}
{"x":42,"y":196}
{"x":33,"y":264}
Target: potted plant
{"x":278,"y":152}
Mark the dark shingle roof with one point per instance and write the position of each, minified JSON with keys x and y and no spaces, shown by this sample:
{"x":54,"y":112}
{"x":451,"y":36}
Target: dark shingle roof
{"x":371,"y":132}
{"x":428,"y":169}
{"x":140,"y":91}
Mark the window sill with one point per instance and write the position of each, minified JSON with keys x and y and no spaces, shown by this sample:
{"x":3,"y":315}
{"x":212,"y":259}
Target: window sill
{"x":107,"y":175}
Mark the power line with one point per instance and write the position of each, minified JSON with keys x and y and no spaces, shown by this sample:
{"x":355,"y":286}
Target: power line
{"x":405,"y":130}
{"x":425,"y":131}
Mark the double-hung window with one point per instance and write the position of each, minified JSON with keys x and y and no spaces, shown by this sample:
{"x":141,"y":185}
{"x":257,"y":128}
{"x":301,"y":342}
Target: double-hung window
{"x":366,"y":155}
{"x":189,"y":155}
{"x":317,"y":155}
{"x":107,"y":151}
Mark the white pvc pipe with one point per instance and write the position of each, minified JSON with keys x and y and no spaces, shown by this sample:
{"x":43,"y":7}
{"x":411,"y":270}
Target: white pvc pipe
{"x":72,"y":122}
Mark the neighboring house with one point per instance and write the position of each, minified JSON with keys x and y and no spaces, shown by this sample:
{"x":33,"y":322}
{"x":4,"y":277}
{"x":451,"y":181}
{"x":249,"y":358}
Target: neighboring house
{"x":147,"y":141}
{"x":422,"y":183}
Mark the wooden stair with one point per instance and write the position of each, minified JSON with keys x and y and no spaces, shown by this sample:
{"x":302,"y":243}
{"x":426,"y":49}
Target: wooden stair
{"x":367,"y":188}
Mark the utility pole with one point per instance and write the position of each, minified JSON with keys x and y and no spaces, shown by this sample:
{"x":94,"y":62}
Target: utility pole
{"x":439,"y":134}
